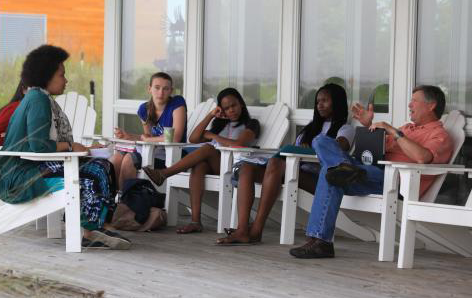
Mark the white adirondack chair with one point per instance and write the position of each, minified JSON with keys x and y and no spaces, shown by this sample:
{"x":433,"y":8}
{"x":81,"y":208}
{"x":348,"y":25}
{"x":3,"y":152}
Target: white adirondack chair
{"x":82,"y":119}
{"x":81,"y":116}
{"x":416,"y":215}
{"x":16,"y":215}
{"x":147,"y":153}
{"x":193,"y":119}
{"x":385,"y":205}
{"x":274,"y":126}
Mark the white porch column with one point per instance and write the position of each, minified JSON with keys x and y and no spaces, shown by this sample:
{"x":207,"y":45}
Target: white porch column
{"x":289,"y":62}
{"x":193,"y":67}
{"x":402,"y":66}
{"x":111,"y":63}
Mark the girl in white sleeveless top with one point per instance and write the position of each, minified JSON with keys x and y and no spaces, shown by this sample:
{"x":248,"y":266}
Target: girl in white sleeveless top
{"x":232,"y":126}
{"x":329,"y":118}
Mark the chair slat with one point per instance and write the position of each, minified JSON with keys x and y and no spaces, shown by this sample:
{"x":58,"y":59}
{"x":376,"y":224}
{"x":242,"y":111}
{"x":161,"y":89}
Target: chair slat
{"x":197,"y":115}
{"x":271,"y":123}
{"x":90,"y":120}
{"x":70,"y":106}
{"x":80,"y":113}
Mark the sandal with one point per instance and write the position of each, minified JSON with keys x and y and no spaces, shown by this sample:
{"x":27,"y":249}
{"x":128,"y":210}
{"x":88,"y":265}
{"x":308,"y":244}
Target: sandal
{"x":229,"y":231}
{"x":155,"y":175}
{"x":234,"y":241}
{"x":193,"y":227}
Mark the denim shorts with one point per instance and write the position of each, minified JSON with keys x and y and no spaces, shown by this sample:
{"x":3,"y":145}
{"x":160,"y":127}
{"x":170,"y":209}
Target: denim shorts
{"x":138,"y":160}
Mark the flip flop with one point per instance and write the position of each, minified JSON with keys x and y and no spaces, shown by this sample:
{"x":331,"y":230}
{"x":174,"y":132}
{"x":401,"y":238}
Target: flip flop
{"x":155,"y":175}
{"x":229,"y":231}
{"x":229,"y":241}
{"x":237,"y":243}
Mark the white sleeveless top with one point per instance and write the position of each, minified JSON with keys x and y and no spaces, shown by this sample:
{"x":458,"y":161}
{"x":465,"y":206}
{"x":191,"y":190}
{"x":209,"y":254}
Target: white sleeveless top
{"x":232,"y":132}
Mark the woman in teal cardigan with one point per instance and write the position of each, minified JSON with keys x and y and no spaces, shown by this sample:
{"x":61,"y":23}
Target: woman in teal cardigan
{"x":39,"y":125}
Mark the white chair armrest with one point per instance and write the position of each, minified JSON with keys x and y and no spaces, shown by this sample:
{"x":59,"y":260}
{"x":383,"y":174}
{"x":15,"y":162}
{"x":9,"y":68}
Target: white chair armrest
{"x":433,"y":169}
{"x":237,"y":153}
{"x":248,"y":150}
{"x":390,"y":163}
{"x":121,"y":141}
{"x":173,"y":151}
{"x":88,"y":140}
{"x":164,"y":144}
{"x":303,"y":157}
{"x":95,"y":137}
{"x":43,"y":156}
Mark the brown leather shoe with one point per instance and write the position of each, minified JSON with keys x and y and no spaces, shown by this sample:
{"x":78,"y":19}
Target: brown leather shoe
{"x":345,"y":174}
{"x":315,"y":248}
{"x":155,"y":175}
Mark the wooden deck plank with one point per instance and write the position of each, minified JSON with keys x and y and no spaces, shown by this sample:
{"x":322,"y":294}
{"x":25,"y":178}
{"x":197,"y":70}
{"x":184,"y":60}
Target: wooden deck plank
{"x":170,"y":265}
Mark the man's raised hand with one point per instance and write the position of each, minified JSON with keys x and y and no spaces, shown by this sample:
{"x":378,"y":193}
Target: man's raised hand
{"x":362,"y":115}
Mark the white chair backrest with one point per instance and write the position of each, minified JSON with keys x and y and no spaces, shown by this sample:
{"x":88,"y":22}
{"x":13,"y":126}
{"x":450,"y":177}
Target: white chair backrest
{"x":197,"y":115}
{"x":273,"y":120}
{"x":274,"y":125}
{"x":81,"y":117}
{"x":454,"y":123}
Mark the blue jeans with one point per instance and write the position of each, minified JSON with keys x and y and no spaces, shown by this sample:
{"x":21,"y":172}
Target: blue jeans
{"x":327,"y":199}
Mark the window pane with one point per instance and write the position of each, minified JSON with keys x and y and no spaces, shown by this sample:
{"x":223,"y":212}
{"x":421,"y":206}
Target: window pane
{"x":444,"y":49}
{"x":19,"y":34}
{"x":347,"y":43}
{"x":24,"y":25}
{"x":241,"y":47}
{"x":152,"y":41}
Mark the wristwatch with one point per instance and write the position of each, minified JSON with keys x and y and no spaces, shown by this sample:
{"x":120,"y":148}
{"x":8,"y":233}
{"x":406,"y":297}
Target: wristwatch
{"x":70,"y":146}
{"x":398,"y":134}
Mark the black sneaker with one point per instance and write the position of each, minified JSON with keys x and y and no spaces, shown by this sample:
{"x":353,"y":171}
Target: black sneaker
{"x":86,"y":243}
{"x":314,"y":249}
{"x":111,"y":239}
{"x":345,"y":174}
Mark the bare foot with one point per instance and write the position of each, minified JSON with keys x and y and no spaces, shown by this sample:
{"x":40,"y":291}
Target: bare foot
{"x":193,"y":227}
{"x":235,"y":237}
{"x":255,"y":236}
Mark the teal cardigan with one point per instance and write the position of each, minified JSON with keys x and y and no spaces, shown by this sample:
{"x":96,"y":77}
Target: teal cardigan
{"x":28,"y":131}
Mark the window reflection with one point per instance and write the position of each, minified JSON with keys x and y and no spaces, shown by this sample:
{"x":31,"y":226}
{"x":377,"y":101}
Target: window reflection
{"x":444,"y":44}
{"x":241,"y":47}
{"x":346,"y":43}
{"x":152,"y":40}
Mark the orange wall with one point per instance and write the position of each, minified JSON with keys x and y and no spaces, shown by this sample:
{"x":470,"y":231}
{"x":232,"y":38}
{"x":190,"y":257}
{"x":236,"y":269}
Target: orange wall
{"x":75,"y":25}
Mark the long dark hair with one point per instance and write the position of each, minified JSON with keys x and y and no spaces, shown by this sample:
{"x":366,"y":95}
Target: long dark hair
{"x":151,"y":108}
{"x":338,"y":117}
{"x":19,"y":93}
{"x":219,"y":123}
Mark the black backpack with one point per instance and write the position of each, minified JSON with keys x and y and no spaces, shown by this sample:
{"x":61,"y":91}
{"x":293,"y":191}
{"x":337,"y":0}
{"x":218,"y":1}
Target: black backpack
{"x":140,"y":195}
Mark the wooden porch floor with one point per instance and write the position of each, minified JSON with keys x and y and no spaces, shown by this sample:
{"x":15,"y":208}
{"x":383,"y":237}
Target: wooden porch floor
{"x":164,"y":264}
